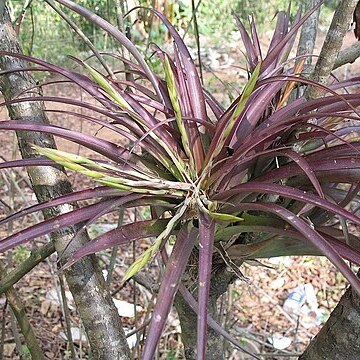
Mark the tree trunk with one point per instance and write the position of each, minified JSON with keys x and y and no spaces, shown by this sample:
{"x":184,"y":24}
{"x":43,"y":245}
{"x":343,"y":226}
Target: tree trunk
{"x":96,"y":308}
{"x":339,"y":338}
{"x":188,"y":323}
{"x":308,"y":31}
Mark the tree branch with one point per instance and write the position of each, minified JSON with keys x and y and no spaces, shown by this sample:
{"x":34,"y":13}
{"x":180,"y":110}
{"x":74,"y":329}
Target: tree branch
{"x":348,"y":55}
{"x":35,"y":258}
{"x":332,"y":45}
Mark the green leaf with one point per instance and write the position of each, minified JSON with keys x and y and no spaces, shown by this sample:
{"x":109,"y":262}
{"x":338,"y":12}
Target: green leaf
{"x":248,"y":89}
{"x":224,"y":217}
{"x":174,"y":98}
{"x":107,"y":87}
{"x":143,"y":259}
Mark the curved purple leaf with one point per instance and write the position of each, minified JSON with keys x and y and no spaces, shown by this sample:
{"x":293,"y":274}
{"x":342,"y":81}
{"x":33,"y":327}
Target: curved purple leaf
{"x":289,"y":242}
{"x":116,"y":203}
{"x":185,"y":293}
{"x":120,"y":117}
{"x":53,"y":224}
{"x":118,"y":35}
{"x":169,"y":285}
{"x":279,"y":47}
{"x":119,"y":236}
{"x":286,"y":191}
{"x":98,"y":192}
{"x":103,"y":147}
{"x":194,"y":89}
{"x":223,"y":177}
{"x":310,"y":234}
{"x":249,"y":47}
{"x":79,"y":79}
{"x":337,"y":165}
{"x":149,"y":144}
{"x":40,"y":161}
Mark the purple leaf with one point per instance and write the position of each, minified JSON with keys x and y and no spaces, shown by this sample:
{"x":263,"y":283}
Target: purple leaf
{"x":194,"y":88}
{"x":106,"y":148}
{"x":119,"y":236}
{"x":81,"y":80}
{"x":310,"y":234}
{"x":323,"y":166}
{"x":279,"y":47}
{"x":53,"y":224}
{"x":206,"y":242}
{"x":185,"y":293}
{"x":249,"y":47}
{"x":169,"y":285}
{"x":116,"y":203}
{"x":102,"y":191}
{"x":27,"y":162}
{"x":286,"y":191}
{"x":117,"y":34}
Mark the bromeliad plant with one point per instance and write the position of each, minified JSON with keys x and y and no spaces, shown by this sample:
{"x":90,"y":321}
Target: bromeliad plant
{"x":210,"y":175}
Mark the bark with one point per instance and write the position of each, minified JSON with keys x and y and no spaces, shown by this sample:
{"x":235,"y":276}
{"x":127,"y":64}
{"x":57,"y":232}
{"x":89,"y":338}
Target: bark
{"x":348,"y":55}
{"x":97,"y":311}
{"x":332,"y":46}
{"x":340,"y":337}
{"x":308,"y":31}
{"x":188,"y":319}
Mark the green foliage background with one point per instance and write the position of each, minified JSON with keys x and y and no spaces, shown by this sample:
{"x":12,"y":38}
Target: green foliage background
{"x":44,"y":34}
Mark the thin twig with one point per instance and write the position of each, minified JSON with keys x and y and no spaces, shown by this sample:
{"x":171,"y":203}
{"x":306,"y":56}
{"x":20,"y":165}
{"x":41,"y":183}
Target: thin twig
{"x":44,"y":256}
{"x":274,"y":355}
{"x":122,"y":25}
{"x":228,"y":315}
{"x":21,"y":16}
{"x":137,"y":348}
{"x":19,"y":313}
{"x":191,"y":19}
{"x":32,"y":31}
{"x":83,"y":37}
{"x":3,"y":323}
{"x":15,"y":332}
{"x":114,"y":250}
{"x":148,"y":40}
{"x":5,"y":204}
{"x":67,"y":318}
